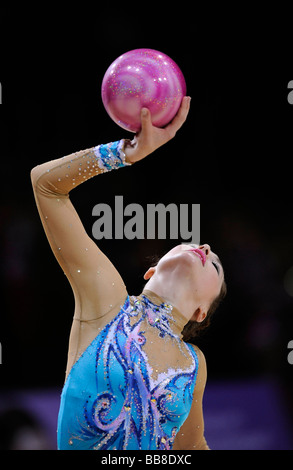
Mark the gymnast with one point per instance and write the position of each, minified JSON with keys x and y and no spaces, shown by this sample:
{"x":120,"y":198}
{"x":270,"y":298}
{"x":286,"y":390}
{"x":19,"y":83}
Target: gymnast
{"x":133,"y":381}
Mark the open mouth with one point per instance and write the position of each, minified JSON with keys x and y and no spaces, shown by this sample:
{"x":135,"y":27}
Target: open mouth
{"x":200,"y":254}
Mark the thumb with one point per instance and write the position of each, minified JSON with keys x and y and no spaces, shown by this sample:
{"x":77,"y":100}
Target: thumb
{"x":146,"y":121}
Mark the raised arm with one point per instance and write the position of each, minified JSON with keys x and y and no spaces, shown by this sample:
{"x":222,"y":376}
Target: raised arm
{"x":89,"y":271}
{"x":96,"y":284}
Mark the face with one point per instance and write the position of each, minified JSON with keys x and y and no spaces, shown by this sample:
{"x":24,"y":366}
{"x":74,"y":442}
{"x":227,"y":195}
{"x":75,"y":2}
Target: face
{"x":198,"y":268}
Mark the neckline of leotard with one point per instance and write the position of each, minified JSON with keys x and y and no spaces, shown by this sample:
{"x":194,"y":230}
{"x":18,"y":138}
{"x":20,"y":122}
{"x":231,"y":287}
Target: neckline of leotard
{"x":179,"y":320}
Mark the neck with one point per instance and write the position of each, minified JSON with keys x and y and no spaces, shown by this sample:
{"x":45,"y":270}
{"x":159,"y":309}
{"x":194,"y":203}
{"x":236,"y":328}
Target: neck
{"x":176,"y":321}
{"x":173,"y":293}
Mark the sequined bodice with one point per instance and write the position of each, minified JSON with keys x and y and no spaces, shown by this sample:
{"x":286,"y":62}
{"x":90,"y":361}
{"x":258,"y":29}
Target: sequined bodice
{"x":132,"y":388}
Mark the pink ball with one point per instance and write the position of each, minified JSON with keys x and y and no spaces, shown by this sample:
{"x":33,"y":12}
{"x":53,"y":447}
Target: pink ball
{"x":142,"y":78}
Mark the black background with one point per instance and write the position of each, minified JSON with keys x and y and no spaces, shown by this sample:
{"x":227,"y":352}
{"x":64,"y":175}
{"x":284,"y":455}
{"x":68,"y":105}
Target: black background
{"x":233,"y":156}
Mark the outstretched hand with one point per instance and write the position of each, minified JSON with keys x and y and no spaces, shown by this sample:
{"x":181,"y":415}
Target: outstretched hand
{"x":150,"y":137}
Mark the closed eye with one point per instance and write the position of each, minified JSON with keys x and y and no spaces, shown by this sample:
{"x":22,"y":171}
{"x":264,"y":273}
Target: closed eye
{"x":216,"y":266}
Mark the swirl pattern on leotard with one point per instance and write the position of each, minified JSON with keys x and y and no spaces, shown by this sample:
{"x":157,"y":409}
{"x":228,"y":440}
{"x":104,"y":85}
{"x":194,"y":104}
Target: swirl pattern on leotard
{"x":127,"y":406}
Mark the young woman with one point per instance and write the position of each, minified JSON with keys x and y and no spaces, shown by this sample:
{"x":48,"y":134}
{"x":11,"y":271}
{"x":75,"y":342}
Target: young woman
{"x":131,"y":380}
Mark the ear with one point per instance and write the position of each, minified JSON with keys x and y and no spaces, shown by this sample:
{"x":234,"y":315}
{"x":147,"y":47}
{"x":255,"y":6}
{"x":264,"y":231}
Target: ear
{"x":199,"y":315}
{"x":150,"y":272}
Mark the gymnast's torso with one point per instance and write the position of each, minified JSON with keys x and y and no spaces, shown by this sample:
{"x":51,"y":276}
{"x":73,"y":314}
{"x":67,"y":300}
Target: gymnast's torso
{"x":133,"y":386}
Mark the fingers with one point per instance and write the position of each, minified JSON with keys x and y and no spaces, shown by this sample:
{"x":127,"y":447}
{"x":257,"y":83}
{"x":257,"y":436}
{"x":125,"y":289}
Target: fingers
{"x":150,"y":137}
{"x":180,"y":117}
{"x":174,"y":126}
{"x":146,"y":121}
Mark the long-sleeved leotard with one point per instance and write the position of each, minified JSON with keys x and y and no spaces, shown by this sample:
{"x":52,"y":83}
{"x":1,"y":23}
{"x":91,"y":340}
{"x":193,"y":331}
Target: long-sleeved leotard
{"x":131,"y":382}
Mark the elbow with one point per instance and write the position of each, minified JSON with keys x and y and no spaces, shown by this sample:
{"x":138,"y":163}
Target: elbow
{"x":41,"y":182}
{"x":34,"y":175}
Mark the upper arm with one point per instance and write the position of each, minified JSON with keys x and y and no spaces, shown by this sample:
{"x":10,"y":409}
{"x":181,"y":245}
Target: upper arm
{"x":96,"y":283}
{"x":191,"y":434}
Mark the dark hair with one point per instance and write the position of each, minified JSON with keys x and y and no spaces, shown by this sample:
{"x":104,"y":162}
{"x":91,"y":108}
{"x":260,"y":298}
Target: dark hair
{"x":193,"y":328}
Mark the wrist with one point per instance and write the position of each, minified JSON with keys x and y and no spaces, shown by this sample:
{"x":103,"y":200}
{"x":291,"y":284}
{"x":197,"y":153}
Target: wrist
{"x":128,"y":151}
{"x":111,"y":156}
{"x":132,"y":152}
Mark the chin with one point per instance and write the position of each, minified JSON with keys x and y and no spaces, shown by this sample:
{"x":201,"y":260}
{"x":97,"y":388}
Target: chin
{"x":184,"y":263}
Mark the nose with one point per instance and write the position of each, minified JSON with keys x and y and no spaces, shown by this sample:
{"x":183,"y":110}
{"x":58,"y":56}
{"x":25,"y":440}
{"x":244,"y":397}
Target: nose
{"x":206,"y":248}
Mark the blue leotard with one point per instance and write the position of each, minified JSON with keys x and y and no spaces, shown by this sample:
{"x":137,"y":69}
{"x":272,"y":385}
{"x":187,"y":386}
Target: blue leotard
{"x":113,"y":397}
